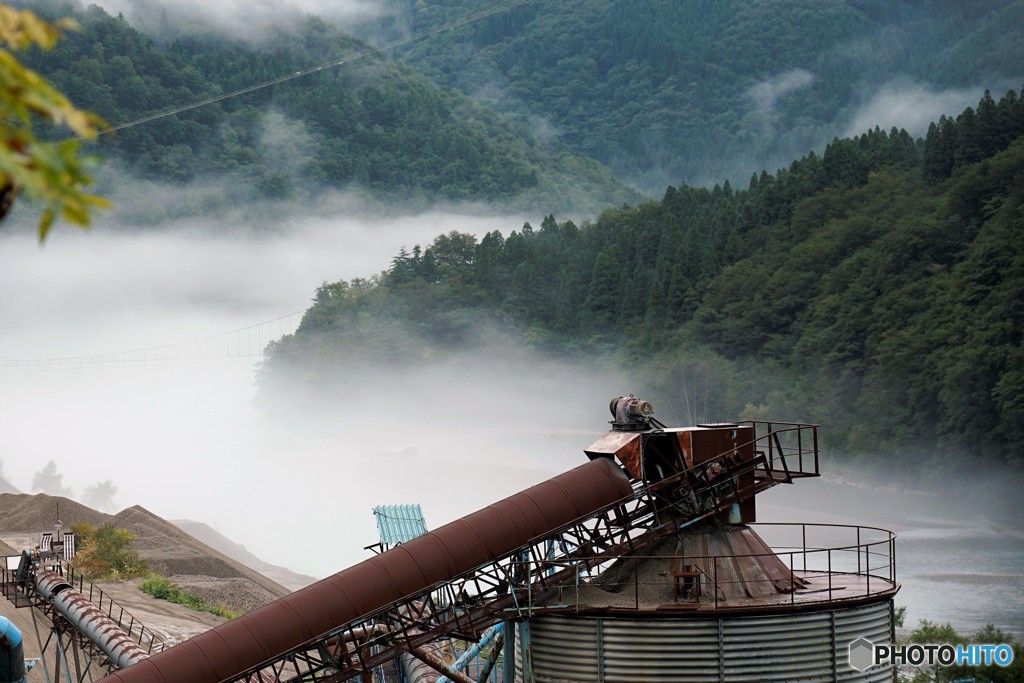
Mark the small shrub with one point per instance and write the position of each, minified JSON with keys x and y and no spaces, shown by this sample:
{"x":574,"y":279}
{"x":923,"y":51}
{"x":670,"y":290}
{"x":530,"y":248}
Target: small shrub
{"x":159,"y":588}
{"x":105,"y":553}
{"x":162,"y":589}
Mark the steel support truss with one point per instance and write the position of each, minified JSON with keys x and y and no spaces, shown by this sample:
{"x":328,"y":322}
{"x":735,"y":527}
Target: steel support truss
{"x":522,"y":583}
{"x":73,"y":656}
{"x":66,"y":654}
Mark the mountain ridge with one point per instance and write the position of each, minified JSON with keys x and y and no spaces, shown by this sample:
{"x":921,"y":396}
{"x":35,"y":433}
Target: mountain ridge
{"x":666,"y":92}
{"x":867,"y":290}
{"x":367,"y":124}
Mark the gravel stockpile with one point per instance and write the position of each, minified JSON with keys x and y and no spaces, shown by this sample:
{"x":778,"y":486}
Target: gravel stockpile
{"x":237,"y":593}
{"x":166,"y":548}
{"x":170,"y":551}
{"x":190,"y":564}
{"x":282,"y":575}
{"x":36,"y":513}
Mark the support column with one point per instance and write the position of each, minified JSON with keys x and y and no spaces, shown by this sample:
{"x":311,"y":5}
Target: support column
{"x":526,"y":651}
{"x":508,"y":659}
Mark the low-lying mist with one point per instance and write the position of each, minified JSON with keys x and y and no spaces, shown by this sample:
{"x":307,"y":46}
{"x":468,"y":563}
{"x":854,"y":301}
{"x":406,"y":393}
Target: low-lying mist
{"x":251,"y":19}
{"x":181,"y":434}
{"x":294,"y":475}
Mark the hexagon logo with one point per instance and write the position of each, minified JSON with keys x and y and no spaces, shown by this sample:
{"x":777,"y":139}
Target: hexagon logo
{"x":860,"y":654}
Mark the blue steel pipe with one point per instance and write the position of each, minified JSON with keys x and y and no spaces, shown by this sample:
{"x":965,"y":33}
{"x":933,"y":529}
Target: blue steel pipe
{"x":472,"y":652}
{"x":12,"y":653}
{"x":492,"y":659}
{"x":508,"y":659}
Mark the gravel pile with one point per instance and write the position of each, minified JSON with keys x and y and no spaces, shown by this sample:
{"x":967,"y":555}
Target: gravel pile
{"x":36,"y":513}
{"x":172,"y":552}
{"x":236,"y":593}
{"x":166,"y":548}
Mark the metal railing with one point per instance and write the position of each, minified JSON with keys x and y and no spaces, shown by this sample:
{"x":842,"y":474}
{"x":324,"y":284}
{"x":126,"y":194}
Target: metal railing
{"x":858,"y":563}
{"x":9,"y":584}
{"x":125,"y":620}
{"x":517,"y":585}
{"x":790,"y":447}
{"x":22,"y":595}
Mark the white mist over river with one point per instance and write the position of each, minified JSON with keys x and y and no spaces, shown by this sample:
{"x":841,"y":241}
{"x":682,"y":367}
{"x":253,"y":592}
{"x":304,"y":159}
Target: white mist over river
{"x":955,"y":564}
{"x":184,"y":438}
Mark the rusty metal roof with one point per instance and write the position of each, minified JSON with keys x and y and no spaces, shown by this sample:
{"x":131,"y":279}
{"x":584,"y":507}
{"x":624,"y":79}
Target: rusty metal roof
{"x":733,"y":560}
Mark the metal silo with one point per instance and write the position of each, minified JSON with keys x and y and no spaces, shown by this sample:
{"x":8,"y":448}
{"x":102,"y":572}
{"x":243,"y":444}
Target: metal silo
{"x":713,"y":601}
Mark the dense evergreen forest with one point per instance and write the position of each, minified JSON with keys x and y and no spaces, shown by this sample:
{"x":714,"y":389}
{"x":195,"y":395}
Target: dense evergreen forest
{"x":699,"y":91}
{"x":371,"y":124}
{"x":877,"y":289}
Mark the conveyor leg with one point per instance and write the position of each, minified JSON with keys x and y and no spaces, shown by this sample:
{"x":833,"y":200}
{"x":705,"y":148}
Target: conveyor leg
{"x":508,"y":661}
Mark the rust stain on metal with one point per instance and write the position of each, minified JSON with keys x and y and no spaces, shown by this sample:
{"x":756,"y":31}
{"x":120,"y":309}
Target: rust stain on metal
{"x":686,"y":446}
{"x":90,"y":620}
{"x":626,"y":446}
{"x":428,"y":658}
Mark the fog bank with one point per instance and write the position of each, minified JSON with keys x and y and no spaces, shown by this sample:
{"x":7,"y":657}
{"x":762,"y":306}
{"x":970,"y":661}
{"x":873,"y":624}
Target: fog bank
{"x":180,"y":433}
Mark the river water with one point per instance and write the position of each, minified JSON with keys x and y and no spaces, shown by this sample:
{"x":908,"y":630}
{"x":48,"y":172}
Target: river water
{"x":954,"y":565}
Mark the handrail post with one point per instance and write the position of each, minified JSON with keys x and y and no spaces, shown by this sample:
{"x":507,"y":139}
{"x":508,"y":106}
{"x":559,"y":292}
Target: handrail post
{"x":816,"y":470}
{"x":892,"y":556}
{"x":577,"y":568}
{"x":803,"y":532}
{"x":830,"y":574}
{"x":800,"y":447}
{"x":792,"y":580}
{"x":867,"y":557}
{"x":714,"y":567}
{"x":858,"y":550}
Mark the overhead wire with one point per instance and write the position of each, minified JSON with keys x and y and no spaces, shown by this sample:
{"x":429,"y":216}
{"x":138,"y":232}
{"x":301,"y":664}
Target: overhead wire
{"x":149,"y":353}
{"x":372,"y":50}
{"x":464,"y":21}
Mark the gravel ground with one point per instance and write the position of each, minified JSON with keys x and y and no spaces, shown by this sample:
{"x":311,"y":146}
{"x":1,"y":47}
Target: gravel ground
{"x":236,"y":593}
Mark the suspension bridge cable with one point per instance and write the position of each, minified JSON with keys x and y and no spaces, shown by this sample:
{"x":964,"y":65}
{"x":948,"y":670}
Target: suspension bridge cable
{"x":465,"y":21}
{"x":142,"y":354}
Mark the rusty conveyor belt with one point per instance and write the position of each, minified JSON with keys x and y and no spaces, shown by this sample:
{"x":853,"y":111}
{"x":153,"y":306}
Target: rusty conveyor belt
{"x":241,"y":647}
{"x":496,"y":564}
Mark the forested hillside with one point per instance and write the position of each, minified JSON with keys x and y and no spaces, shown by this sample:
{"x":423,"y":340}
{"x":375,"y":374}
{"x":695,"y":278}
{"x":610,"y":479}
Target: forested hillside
{"x":667,"y":91}
{"x":877,"y":289}
{"x":371,"y":123}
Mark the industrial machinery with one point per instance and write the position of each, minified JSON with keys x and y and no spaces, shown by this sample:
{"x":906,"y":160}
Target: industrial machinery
{"x":618,"y":561}
{"x":87,"y":634}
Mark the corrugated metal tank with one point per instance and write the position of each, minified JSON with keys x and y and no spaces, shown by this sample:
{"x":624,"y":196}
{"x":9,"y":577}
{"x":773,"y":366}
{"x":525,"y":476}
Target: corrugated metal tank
{"x":808,"y":647}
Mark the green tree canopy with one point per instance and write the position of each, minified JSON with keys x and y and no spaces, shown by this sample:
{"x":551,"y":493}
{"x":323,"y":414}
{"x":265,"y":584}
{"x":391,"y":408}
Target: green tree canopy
{"x":51,"y":173}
